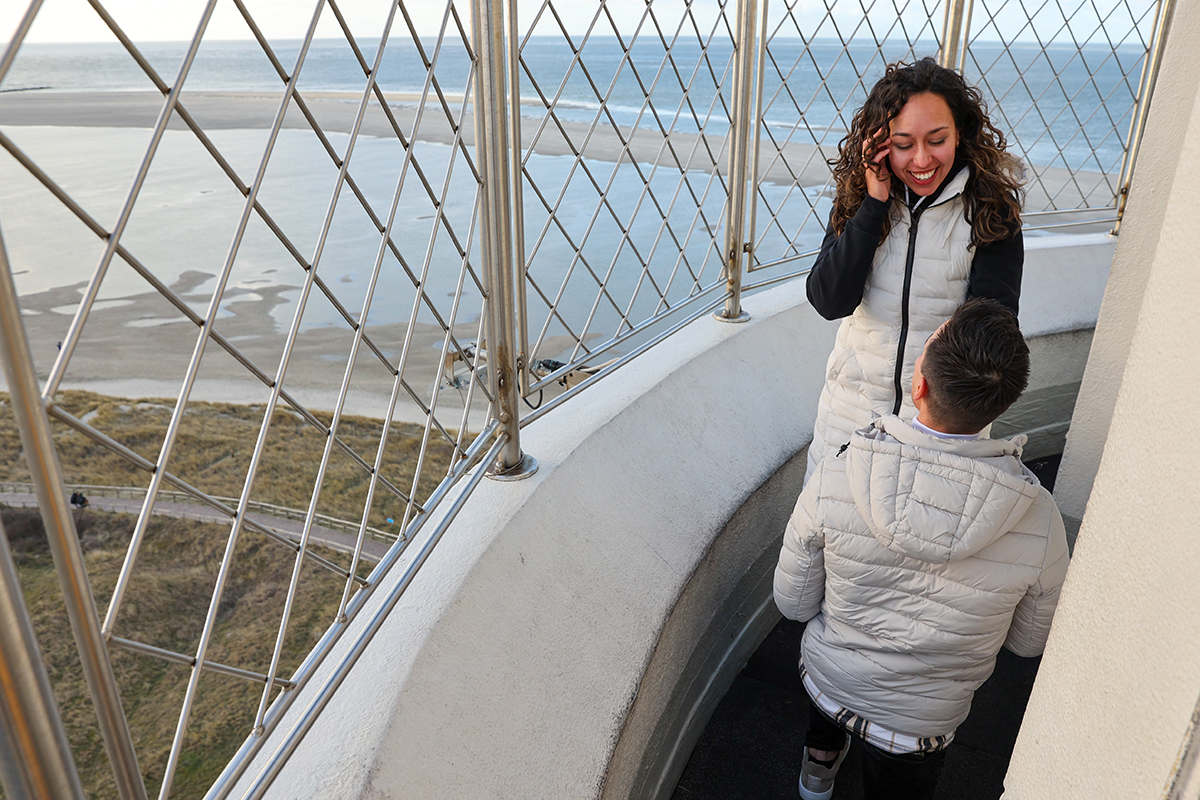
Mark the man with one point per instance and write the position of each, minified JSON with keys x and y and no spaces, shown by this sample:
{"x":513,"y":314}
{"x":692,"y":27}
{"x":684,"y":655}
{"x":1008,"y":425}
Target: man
{"x":914,"y":554}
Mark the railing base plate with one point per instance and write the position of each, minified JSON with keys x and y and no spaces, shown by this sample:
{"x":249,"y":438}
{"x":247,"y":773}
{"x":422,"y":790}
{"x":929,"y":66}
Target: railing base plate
{"x":518,"y":472}
{"x":719,"y":316}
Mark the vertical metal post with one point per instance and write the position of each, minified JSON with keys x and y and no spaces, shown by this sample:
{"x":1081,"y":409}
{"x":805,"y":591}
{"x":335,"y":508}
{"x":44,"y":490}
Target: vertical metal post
{"x":736,"y":246}
{"x":514,"y":117}
{"x":751,"y":231}
{"x":35,"y":758}
{"x":1162,"y":27}
{"x":956,"y":29}
{"x":46,"y":472}
{"x":496,"y":224}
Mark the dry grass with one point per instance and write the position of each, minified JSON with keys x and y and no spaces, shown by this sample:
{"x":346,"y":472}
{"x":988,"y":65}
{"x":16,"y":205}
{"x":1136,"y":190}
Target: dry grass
{"x":166,"y":604}
{"x":214,"y":447}
{"x":170,"y":590}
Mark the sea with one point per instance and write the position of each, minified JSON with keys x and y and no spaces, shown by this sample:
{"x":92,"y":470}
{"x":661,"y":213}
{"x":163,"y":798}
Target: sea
{"x":1060,"y":106}
{"x":1047,"y":93}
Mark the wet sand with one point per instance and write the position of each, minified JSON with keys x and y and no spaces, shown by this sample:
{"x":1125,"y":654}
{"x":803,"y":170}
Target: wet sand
{"x":140,"y":347}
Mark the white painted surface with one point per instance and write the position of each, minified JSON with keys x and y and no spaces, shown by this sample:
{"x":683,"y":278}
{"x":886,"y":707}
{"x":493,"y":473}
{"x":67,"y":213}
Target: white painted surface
{"x":1109,"y":714}
{"x":511,"y":665}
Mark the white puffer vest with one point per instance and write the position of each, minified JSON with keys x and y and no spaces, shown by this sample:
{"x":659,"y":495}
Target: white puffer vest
{"x":860,"y":374}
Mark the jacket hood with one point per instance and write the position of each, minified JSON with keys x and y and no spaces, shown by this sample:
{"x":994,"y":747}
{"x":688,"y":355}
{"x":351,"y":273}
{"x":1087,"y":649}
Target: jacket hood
{"x":936,"y":500}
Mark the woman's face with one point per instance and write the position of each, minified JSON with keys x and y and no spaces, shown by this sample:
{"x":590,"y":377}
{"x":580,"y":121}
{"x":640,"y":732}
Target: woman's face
{"x":923,"y":141}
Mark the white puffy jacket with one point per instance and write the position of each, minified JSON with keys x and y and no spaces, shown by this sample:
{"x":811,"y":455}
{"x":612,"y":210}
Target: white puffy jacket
{"x":860,"y":374}
{"x":914,"y":559}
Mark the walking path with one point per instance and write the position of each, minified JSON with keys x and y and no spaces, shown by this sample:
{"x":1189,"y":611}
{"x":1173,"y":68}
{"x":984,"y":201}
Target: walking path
{"x":750,"y":748}
{"x":373,"y":550}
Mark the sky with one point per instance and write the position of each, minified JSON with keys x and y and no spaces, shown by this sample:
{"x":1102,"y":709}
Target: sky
{"x":177,"y":20}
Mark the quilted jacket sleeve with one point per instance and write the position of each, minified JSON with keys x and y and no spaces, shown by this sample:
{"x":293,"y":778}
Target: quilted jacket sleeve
{"x":837,"y":279}
{"x":1031,"y":621}
{"x":800,"y":574}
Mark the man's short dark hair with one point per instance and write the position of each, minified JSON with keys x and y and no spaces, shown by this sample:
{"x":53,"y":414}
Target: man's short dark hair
{"x":977,"y":366}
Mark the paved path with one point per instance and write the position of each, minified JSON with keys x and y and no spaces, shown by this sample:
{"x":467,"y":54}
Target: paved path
{"x":373,"y":550}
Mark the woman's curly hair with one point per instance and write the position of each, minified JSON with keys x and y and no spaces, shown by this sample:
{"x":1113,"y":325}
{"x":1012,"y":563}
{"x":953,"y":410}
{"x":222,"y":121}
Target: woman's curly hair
{"x":993,"y":193}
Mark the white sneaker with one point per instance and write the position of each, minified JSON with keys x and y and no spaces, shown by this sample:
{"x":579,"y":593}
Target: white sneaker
{"x":816,"y":781}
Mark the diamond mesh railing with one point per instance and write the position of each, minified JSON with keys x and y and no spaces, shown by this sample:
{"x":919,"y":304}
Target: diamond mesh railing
{"x":1064,"y":80}
{"x":325,"y":255}
{"x":622,"y":228}
{"x":819,"y":68}
{"x":347,"y":244}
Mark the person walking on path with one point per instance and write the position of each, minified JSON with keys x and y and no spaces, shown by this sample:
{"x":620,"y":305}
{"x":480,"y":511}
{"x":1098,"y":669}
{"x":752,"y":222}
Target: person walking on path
{"x":914,"y":554}
{"x":927,"y":214}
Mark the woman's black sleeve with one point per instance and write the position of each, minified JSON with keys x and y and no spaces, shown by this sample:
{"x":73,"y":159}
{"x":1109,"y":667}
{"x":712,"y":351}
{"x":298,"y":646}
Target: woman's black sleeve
{"x":835,"y":285}
{"x":996,"y":271}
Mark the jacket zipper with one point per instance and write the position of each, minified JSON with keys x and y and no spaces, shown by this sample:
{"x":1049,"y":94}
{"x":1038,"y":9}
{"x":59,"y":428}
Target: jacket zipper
{"x":908,"y":269}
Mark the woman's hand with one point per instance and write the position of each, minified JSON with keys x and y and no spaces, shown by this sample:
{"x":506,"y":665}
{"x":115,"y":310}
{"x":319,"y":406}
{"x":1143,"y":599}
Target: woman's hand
{"x":879,"y":177}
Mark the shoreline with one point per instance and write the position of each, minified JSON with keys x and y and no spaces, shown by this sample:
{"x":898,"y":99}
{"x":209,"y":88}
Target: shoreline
{"x":336,"y":111}
{"x":801,"y":164}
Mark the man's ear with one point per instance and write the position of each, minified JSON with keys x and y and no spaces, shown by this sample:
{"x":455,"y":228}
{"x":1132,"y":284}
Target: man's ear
{"x":920,"y":388}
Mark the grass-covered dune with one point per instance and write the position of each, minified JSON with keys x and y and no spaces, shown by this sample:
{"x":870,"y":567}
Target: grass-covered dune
{"x":166,"y":604}
{"x":171,"y":586}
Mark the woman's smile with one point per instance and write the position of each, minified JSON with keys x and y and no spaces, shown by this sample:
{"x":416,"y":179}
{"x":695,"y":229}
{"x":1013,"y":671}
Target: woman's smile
{"x":923,"y":142}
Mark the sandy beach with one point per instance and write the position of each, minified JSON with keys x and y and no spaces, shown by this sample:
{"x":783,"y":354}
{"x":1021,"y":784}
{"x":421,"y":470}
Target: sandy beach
{"x":135,"y":344}
{"x":782,"y":162}
{"x":120,"y":357}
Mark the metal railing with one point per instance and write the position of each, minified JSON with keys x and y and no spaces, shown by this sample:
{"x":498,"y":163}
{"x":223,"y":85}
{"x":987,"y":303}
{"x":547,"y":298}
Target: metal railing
{"x":436,"y":217}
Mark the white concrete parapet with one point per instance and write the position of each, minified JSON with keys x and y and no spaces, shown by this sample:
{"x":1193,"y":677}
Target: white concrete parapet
{"x":571,"y":633}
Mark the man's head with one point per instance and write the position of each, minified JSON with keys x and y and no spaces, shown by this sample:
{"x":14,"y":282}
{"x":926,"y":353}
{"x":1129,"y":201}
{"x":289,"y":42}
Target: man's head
{"x":974,"y":367}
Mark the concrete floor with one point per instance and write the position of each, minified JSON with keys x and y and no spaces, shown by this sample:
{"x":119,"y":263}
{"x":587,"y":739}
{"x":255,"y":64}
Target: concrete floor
{"x":750,"y":748}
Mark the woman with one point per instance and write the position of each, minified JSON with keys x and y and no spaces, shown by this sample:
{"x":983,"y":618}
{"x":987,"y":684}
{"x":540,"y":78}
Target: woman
{"x":927,"y":214}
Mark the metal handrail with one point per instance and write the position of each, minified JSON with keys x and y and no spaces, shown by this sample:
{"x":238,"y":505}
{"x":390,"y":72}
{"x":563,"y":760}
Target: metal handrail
{"x":1162,"y":28}
{"x":35,"y":756}
{"x":485,"y":450}
{"x":42,"y":458}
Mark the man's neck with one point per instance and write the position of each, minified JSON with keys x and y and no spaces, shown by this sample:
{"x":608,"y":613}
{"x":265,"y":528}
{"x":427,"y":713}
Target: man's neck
{"x":932,"y":430}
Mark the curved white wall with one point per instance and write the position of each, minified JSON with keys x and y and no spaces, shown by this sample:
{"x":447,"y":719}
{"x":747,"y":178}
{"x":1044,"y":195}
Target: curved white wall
{"x":571,"y":632}
{"x":1114,"y":710}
